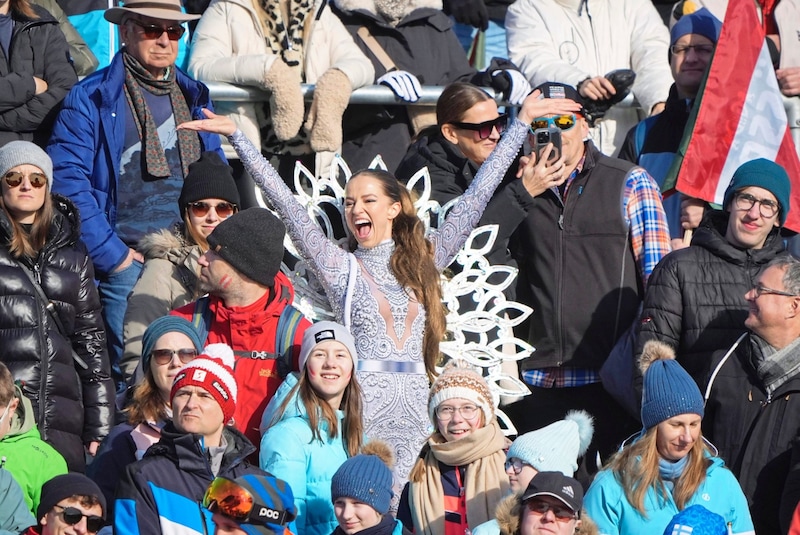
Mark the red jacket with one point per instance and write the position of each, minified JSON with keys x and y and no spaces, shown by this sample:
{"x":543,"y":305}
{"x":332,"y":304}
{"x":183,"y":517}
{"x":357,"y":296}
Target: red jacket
{"x":252,"y":328}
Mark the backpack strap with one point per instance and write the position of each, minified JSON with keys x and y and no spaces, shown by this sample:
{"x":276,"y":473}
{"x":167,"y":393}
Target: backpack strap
{"x":288,"y":323}
{"x":201,"y":318}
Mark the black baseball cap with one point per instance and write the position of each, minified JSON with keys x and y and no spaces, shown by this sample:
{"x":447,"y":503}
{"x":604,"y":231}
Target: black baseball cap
{"x":555,"y":484}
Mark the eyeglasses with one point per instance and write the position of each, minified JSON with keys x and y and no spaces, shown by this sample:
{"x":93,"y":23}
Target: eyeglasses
{"x":5,"y":412}
{"x":516,"y":464}
{"x":767,"y":208}
{"x":154,"y":31}
{"x":563,"y":122}
{"x":234,"y":501}
{"x":700,"y":50}
{"x":164,"y":356}
{"x":485,"y":128}
{"x":223,"y":209}
{"x":73,"y":515}
{"x":760,"y":290}
{"x":445,"y":413}
{"x":15,"y":178}
{"x":562,"y":513}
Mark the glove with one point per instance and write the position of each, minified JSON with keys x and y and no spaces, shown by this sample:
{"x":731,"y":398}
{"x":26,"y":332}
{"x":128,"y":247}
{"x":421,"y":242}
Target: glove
{"x":404,"y":84}
{"x":324,"y":122}
{"x":513,"y":84}
{"x":286,"y":102}
{"x":470,"y":12}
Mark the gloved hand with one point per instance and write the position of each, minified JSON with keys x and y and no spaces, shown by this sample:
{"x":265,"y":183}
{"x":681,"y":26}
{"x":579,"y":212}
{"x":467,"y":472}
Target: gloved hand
{"x":404,"y":84}
{"x":470,"y":12}
{"x":286,"y":102}
{"x":513,"y":84}
{"x":324,"y":122}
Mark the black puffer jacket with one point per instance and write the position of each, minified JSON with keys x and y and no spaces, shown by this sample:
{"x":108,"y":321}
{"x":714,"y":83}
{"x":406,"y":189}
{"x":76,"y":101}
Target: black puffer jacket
{"x":695,"y":296}
{"x":72,"y":404}
{"x":38,"y":48}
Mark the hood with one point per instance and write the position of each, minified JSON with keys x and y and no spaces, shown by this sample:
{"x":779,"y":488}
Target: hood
{"x":508,"y":512}
{"x":159,"y":244}
{"x":370,"y":6}
{"x":23,"y":422}
{"x":711,"y":235}
{"x":293,"y":409}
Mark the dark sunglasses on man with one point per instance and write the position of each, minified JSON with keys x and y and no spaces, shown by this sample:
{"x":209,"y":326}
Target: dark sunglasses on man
{"x":154,"y":31}
{"x":73,"y":515}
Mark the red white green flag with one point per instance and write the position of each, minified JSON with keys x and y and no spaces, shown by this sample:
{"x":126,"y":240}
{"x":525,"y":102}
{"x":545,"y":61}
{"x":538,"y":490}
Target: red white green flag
{"x":739,"y":116}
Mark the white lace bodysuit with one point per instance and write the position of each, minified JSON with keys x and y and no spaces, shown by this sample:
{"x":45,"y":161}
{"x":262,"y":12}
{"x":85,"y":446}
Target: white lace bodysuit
{"x":386,"y":322}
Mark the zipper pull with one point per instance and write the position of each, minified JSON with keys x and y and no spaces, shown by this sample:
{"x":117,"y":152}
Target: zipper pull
{"x":561,"y":221}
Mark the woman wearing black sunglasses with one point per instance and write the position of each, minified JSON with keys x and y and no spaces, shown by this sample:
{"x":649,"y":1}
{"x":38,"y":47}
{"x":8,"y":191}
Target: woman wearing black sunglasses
{"x":51,"y":331}
{"x":169,"y":276}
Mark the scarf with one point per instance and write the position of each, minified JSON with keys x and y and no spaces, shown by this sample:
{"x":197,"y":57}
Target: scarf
{"x":777,"y":365}
{"x":285,"y":39}
{"x":155,"y":161}
{"x":486,"y":483}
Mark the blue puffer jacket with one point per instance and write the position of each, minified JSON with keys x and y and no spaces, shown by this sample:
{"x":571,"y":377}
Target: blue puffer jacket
{"x":289,"y":451}
{"x":720,"y":493}
{"x":86,"y":148}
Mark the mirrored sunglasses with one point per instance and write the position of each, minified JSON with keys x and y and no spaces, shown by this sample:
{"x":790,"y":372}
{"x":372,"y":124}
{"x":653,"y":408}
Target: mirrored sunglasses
{"x":15,"y":178}
{"x":223,"y":209}
{"x":562,"y":122}
{"x":73,"y":515}
{"x":154,"y":31}
{"x":485,"y":128}
{"x":164,"y":356}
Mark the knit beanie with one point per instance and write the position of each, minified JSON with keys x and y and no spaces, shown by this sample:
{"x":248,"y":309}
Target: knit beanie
{"x":459,"y":380}
{"x":701,"y":22}
{"x":696,"y":520}
{"x":366,"y":477}
{"x":272,"y":495}
{"x":252,"y":242}
{"x":556,"y":448}
{"x":765,"y":174}
{"x":19,"y":152}
{"x":66,"y":486}
{"x":208,"y":178}
{"x":162,"y":326}
{"x":323,"y":331}
{"x":668,"y":389}
{"x":212,"y":371}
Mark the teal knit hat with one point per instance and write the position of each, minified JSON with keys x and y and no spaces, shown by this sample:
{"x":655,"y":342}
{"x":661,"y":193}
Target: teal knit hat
{"x":162,"y":326}
{"x":668,"y":389}
{"x":765,"y":174}
{"x":366,"y":477}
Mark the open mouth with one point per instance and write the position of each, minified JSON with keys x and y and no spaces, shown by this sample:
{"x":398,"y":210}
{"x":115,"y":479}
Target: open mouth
{"x":362,"y":228}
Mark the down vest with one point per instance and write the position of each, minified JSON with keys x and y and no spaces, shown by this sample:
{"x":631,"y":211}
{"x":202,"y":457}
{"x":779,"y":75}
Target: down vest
{"x":72,"y":403}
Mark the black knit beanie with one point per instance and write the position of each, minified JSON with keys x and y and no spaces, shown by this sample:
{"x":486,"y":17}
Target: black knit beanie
{"x":65,"y":486}
{"x":208,"y":178}
{"x":252,"y":242}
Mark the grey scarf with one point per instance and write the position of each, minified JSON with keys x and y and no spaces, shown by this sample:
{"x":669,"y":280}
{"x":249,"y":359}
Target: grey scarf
{"x":776,"y":366}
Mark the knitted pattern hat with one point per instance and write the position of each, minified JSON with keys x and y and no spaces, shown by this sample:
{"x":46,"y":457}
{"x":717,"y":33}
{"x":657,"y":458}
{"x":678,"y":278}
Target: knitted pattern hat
{"x":701,"y":22}
{"x":18,"y":152}
{"x":459,"y":380}
{"x":668,"y":389}
{"x":208,"y":178}
{"x":556,"y":448}
{"x":65,"y":486}
{"x":271,"y":495}
{"x":696,"y":520}
{"x":765,"y":174}
{"x":366,"y":477}
{"x":213,"y":372}
{"x":252,"y":242}
{"x":162,"y":326}
{"x":323,"y":331}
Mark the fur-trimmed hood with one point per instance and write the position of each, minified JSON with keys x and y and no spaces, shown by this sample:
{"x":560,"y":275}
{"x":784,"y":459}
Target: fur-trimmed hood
{"x":371,"y":5}
{"x":508,"y":516}
{"x":167,"y":244}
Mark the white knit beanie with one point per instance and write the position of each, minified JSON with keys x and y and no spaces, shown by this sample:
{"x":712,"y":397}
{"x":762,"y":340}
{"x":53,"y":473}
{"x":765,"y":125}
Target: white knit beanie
{"x":556,"y":447}
{"x":459,"y":380}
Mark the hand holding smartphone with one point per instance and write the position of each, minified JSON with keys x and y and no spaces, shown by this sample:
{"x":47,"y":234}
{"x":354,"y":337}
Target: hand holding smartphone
{"x":543,"y":136}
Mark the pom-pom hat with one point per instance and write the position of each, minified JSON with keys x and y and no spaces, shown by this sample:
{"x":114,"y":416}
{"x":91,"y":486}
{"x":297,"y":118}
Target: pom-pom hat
{"x":668,"y":389}
{"x":556,"y":447}
{"x":213,"y":372}
{"x":366,"y":477}
{"x":459,"y":380}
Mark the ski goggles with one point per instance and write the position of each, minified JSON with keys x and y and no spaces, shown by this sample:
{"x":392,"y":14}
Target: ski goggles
{"x":562,"y":122}
{"x":485,"y":128}
{"x":228,"y":498}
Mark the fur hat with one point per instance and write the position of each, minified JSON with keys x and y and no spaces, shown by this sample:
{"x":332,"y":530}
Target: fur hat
{"x":322,"y":332}
{"x":701,"y":22}
{"x":18,"y":152}
{"x":252,"y":242}
{"x":556,"y":447}
{"x":155,"y":9}
{"x":459,"y":380}
{"x":367,"y":477}
{"x":696,"y":520}
{"x":668,"y":389}
{"x":208,"y":178}
{"x":765,"y":174}
{"x":64,"y":486}
{"x":212,"y":371}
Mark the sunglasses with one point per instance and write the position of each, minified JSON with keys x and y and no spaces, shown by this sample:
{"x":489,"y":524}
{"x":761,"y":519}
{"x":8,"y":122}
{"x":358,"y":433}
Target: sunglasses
{"x":164,"y":356}
{"x":485,"y":128}
{"x":15,"y":178}
{"x":223,"y":209}
{"x":563,"y":122}
{"x":516,"y":464}
{"x":228,"y":498}
{"x":73,"y":515}
{"x":154,"y":31}
{"x":562,"y":513}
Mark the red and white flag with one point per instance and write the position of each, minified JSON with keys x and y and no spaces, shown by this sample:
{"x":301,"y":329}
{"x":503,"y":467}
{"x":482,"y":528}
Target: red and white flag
{"x":739,"y":116}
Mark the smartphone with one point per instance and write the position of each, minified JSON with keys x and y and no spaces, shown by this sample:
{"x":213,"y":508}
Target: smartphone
{"x":542,"y":137}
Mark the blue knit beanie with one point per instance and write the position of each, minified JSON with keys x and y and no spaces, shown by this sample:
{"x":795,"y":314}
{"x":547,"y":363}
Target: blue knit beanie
{"x":556,"y":447}
{"x":701,"y":22}
{"x":270,"y":493}
{"x":366,"y":478}
{"x":765,"y":174}
{"x":668,"y":389}
{"x":696,"y":520}
{"x":162,"y":326}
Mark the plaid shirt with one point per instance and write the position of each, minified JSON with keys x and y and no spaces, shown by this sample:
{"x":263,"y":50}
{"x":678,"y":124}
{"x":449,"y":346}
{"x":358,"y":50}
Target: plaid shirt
{"x":650,"y":242}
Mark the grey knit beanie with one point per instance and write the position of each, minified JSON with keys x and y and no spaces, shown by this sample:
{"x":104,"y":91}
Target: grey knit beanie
{"x":322,"y":332}
{"x":18,"y":152}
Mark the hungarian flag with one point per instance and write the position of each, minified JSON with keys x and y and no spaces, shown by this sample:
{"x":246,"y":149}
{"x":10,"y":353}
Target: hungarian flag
{"x":738,"y":116}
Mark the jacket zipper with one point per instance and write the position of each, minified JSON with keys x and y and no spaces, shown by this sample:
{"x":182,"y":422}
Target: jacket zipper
{"x":37,"y":275}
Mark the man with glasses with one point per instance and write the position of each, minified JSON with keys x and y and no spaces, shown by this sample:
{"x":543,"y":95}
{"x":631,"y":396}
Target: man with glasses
{"x":753,"y":408}
{"x":695,"y":300}
{"x":586,"y":231}
{"x":551,"y":504}
{"x":72,"y":504}
{"x":653,"y":142}
{"x":116,"y":152}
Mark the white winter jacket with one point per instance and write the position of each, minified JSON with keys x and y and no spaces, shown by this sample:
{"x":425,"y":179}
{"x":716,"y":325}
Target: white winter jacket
{"x":568,"y":41}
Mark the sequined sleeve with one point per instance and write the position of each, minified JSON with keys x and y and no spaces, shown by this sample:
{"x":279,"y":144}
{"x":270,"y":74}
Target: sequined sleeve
{"x":464,"y":215}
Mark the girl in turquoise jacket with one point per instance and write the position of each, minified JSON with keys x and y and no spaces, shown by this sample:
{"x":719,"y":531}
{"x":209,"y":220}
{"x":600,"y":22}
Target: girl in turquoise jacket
{"x":669,"y":466}
{"x":313,"y":424}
